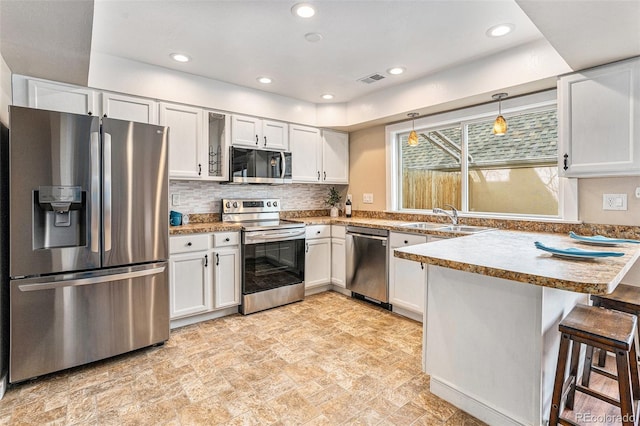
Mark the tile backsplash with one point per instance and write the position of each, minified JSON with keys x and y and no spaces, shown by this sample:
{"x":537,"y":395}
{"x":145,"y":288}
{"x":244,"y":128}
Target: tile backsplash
{"x":206,"y":197}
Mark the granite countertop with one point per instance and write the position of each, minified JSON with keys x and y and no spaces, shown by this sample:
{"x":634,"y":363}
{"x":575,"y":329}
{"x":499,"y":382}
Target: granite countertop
{"x":391,"y":225}
{"x":202,"y":228}
{"x":512,"y":255}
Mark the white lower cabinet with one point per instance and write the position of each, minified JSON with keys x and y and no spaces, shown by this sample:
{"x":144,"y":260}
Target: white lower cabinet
{"x":204,"y":273}
{"x":338,"y":256}
{"x":317,"y":263}
{"x":226,"y":277}
{"x":407,"y":279}
{"x":190,"y":289}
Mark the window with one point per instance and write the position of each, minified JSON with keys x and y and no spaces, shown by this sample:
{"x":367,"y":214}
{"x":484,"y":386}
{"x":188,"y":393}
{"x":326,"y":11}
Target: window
{"x":459,"y":162}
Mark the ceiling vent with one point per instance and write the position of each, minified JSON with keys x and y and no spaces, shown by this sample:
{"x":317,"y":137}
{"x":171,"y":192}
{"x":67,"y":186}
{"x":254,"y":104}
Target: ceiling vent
{"x":372,"y":78}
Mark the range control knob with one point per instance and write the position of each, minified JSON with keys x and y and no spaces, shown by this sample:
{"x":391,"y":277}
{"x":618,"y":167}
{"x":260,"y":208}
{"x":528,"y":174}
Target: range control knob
{"x":268,"y":203}
{"x":235,"y":204}
{"x":228,"y":204}
{"x":275,"y":204}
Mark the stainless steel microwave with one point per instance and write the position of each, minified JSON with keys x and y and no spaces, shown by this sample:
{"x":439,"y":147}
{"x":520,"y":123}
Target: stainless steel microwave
{"x":249,"y":165}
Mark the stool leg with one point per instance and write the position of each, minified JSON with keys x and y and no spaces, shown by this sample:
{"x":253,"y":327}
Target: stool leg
{"x":602,"y":358}
{"x":633,"y":365}
{"x":559,"y":380}
{"x":626,"y":402}
{"x":573,"y":373}
{"x":586,"y":371}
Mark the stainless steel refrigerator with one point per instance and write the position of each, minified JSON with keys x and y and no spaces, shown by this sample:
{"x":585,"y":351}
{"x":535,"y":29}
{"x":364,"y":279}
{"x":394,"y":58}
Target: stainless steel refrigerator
{"x":88,"y":239}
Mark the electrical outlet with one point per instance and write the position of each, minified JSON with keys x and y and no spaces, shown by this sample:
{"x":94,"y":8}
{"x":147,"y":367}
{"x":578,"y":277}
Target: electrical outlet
{"x":175,"y":199}
{"x":351,"y":199}
{"x":638,"y":192}
{"x":614,"y":201}
{"x":367,"y":198}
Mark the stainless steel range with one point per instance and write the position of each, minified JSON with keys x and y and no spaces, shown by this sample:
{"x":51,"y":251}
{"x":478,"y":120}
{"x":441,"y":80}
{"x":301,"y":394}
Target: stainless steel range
{"x":272,"y":254}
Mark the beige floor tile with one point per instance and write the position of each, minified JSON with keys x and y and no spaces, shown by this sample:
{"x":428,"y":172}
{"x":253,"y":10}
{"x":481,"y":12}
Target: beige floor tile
{"x":325,"y":361}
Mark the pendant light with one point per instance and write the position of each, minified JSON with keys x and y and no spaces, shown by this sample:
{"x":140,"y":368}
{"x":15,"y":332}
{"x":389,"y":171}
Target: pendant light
{"x":413,"y":136}
{"x":500,"y":125}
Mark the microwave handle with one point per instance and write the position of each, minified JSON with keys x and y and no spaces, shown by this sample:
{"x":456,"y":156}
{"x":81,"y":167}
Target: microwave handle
{"x":282,"y":158}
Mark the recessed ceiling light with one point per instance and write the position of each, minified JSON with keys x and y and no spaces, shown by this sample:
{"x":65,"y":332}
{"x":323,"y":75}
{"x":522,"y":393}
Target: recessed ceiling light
{"x":313,"y":37}
{"x":180,"y":57}
{"x":500,"y":30}
{"x":303,"y":10}
{"x":396,"y":70}
{"x":327,"y":96}
{"x":264,"y":80}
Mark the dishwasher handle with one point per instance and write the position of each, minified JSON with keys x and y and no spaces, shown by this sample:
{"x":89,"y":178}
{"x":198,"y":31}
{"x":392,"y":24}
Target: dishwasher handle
{"x":373,"y":237}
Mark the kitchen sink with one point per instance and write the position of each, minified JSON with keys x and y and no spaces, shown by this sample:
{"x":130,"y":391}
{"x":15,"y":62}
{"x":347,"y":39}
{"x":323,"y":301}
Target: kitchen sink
{"x":422,"y":225}
{"x":465,"y":229}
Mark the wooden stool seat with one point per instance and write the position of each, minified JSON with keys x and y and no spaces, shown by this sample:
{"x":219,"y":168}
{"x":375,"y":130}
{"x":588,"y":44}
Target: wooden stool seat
{"x":608,"y":330}
{"x":625,"y":298}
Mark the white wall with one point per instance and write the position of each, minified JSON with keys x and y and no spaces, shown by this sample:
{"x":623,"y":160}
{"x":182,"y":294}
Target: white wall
{"x":122,"y":75}
{"x":5,"y":91}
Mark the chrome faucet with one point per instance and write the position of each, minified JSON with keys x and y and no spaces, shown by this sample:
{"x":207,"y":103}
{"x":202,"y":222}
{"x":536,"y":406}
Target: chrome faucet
{"x":453,"y":215}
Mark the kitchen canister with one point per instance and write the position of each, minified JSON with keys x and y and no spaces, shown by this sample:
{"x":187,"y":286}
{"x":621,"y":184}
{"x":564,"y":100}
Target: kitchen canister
{"x":175,"y":218}
{"x":185,"y":219}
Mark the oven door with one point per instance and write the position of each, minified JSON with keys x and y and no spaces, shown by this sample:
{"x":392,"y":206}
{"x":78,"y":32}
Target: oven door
{"x":269,"y":264}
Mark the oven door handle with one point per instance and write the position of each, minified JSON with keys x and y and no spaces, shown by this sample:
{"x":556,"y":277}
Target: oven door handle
{"x":267,"y":236}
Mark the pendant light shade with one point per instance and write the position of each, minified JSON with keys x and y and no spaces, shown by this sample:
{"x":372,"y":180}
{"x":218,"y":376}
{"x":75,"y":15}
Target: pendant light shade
{"x":500,"y":124}
{"x":413,"y":136}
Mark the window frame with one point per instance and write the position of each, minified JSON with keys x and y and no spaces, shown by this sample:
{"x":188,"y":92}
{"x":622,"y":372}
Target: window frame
{"x":568,"y":192}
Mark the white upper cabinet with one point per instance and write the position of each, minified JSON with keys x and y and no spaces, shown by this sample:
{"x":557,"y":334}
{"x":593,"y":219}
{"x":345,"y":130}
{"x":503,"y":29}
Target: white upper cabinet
{"x":275,"y":135}
{"x":61,"y":97}
{"x":335,"y":157}
{"x":253,"y":132}
{"x":305,"y":153}
{"x":319,"y":158}
{"x":185,"y":140}
{"x":130,"y":108}
{"x":599,"y":121}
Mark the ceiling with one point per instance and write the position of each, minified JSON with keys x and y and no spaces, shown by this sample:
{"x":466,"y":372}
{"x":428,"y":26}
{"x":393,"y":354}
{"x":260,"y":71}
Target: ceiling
{"x":237,"y":41}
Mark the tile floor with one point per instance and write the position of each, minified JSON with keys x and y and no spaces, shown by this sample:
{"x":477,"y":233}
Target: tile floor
{"x":325,"y":361}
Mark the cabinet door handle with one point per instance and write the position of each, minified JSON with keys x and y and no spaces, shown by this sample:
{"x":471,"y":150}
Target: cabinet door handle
{"x":566,"y":161}
{"x":206,"y":260}
{"x":265,"y":141}
{"x":199,"y":169}
{"x":217,"y":259}
{"x":307,"y":248}
{"x":325,"y":175}
{"x":189,"y":244}
{"x":422,"y":265}
{"x":257,"y":140}
{"x":318,"y":174}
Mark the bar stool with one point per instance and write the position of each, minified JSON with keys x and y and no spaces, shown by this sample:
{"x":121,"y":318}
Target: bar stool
{"x":625,"y":298}
{"x":610,"y":331}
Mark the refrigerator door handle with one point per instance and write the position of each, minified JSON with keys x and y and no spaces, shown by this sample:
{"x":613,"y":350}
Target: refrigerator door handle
{"x":107,"y":191}
{"x":94,"y":236}
{"x":92,"y":280}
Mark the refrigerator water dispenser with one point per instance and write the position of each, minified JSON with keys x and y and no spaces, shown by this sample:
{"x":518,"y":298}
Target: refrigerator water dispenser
{"x":59,"y":217}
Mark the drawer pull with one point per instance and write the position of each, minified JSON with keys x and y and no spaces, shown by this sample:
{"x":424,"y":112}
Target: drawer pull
{"x":317,"y":232}
{"x":189,"y":244}
{"x":406,"y":241}
{"x":227,"y":239}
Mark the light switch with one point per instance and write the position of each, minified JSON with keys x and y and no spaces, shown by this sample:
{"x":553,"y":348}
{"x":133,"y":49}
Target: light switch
{"x":175,"y":199}
{"x":614,"y":201}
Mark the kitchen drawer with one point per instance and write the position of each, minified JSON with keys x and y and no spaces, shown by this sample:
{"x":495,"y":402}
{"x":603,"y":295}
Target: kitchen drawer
{"x":337,"y":231}
{"x":223,"y":239}
{"x":187,"y":243}
{"x":402,"y":240}
{"x":318,"y":231}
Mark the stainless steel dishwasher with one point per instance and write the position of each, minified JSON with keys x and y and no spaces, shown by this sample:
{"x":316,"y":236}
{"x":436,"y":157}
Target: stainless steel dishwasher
{"x":367,"y":264}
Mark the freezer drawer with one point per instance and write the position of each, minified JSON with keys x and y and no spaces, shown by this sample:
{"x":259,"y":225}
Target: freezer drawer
{"x":63,"y":321}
